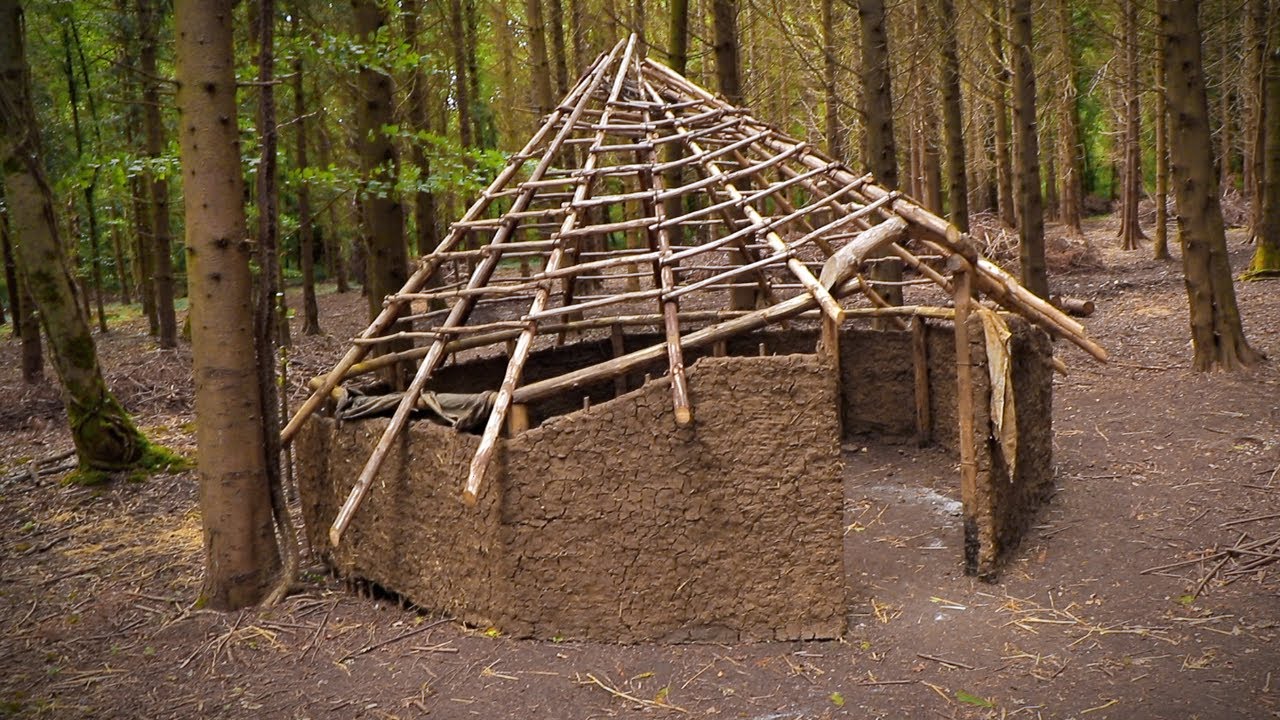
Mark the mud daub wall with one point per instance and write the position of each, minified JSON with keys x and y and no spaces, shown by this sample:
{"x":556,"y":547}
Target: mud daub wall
{"x":611,"y":523}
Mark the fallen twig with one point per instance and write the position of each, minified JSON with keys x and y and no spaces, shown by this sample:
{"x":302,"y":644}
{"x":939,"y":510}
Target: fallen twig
{"x":632,"y":698}
{"x":396,"y":639}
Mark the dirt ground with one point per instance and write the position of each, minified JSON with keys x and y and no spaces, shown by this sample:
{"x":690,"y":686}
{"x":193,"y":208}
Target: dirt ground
{"x":1156,"y":466}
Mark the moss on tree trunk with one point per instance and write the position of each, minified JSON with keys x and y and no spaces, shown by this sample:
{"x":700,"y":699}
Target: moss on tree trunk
{"x":104,"y":435}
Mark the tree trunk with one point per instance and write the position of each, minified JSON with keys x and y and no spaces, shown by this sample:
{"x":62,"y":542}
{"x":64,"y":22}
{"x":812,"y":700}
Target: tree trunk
{"x":578,"y":35}
{"x":1226,"y":178}
{"x":306,"y":236}
{"x":91,"y":205}
{"x":1266,"y":256}
{"x":482,"y":132}
{"x":541,"y":70}
{"x":1000,"y":109}
{"x":559,"y":48}
{"x":336,"y":247}
{"x":144,"y":278}
{"x":161,"y":260}
{"x":424,"y":202}
{"x":1160,"y":247}
{"x":1071,"y":192}
{"x":121,"y":263}
{"x":241,"y":554}
{"x":678,"y":56}
{"x":953,"y":121}
{"x":104,"y":436}
{"x":1216,"y":331}
{"x":725,"y":14}
{"x":1130,"y":232}
{"x":638,"y":27}
{"x":877,"y":104}
{"x":1256,"y":127}
{"x":368,"y":15}
{"x":1030,"y":207}
{"x":26,"y":323}
{"x":387,"y":261}
{"x":831,"y":96}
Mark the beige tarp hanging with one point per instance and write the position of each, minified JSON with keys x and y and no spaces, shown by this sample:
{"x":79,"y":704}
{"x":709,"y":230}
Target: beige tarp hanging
{"x":1004,"y":419}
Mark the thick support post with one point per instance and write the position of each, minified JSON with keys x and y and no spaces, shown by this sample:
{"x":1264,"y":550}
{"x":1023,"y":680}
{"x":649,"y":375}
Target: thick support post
{"x":962,"y":279}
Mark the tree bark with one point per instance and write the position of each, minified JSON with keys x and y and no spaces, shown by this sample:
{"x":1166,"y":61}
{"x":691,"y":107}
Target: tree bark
{"x":559,"y":48}
{"x":1071,"y":192}
{"x":1256,"y":127}
{"x":830,"y":70}
{"x":241,"y":554}
{"x":728,"y":67}
{"x":1217,"y":334}
{"x":877,"y":105}
{"x":90,"y":188}
{"x":1131,"y":194}
{"x":1160,"y":246}
{"x":953,"y":120}
{"x":1030,"y":206}
{"x":144,"y":278}
{"x":1266,"y":256}
{"x":542,"y":100}
{"x":26,"y":322}
{"x":104,"y":435}
{"x":1000,"y":109}
{"x":369,"y":15}
{"x":424,"y":201}
{"x":161,"y":259}
{"x":306,"y":235}
{"x":382,"y":216}
{"x":678,"y":55}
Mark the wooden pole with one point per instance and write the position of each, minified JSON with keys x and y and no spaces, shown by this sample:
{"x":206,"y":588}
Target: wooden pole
{"x":961,"y":277}
{"x":920,"y":358}
{"x":806,"y":278}
{"x":426,"y":269}
{"x":524,"y":345}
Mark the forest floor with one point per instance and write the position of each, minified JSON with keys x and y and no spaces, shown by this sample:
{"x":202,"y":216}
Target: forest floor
{"x":1156,"y":464}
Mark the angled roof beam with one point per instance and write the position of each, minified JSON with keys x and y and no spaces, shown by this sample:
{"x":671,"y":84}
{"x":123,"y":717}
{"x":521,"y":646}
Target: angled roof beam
{"x":459,"y":312}
{"x":515,"y":367}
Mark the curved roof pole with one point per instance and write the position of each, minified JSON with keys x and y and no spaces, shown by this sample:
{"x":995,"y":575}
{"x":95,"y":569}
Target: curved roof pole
{"x":463,"y":307}
{"x":524,"y":345}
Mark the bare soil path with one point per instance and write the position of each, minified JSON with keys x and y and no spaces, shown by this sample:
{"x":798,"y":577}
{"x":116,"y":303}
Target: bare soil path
{"x":1156,"y":465}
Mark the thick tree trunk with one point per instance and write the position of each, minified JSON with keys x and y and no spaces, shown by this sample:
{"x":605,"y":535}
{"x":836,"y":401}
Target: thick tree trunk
{"x":1266,"y":256}
{"x":541,"y":68}
{"x":1130,"y":232}
{"x":1030,"y":206}
{"x":104,"y":436}
{"x":482,"y":132}
{"x":10,"y":276}
{"x":1071,"y":192}
{"x":306,"y":235}
{"x":161,"y":259}
{"x":241,"y":554}
{"x":953,"y":121}
{"x":728,"y":67}
{"x":382,"y":216}
{"x":1000,"y":109}
{"x":877,"y":104}
{"x":1216,"y":331}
